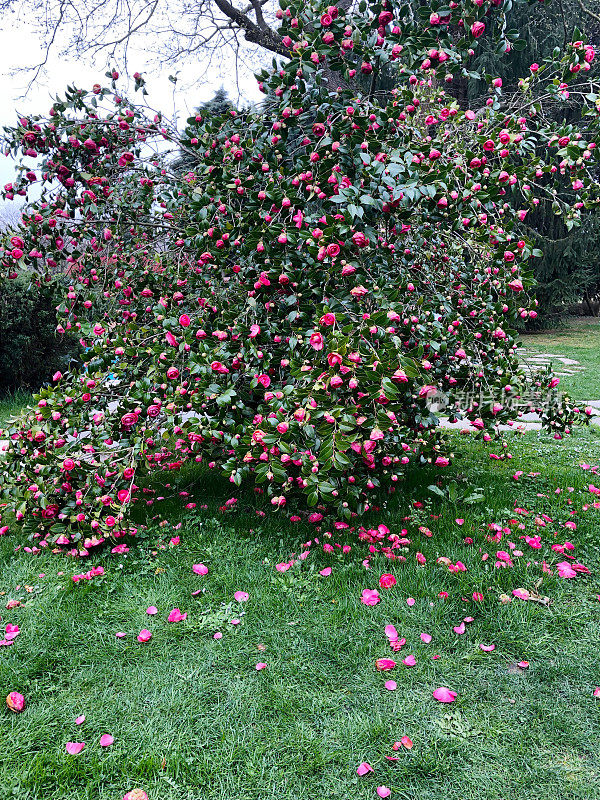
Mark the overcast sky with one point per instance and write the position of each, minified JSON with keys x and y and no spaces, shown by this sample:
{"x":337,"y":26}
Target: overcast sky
{"x":19,"y":48}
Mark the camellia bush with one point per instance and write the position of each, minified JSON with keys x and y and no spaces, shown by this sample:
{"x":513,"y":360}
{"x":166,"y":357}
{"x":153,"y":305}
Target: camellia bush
{"x":288,"y":311}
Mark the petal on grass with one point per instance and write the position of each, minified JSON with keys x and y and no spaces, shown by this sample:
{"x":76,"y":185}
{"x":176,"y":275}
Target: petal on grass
{"x":444,"y":695}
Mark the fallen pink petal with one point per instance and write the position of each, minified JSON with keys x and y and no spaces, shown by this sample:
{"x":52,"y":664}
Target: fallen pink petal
{"x":200,"y":569}
{"x":106,"y":740}
{"x":426,"y":637}
{"x":152,"y":610}
{"x":80,"y":719}
{"x":391,"y":633}
{"x":144,"y":635}
{"x":177,"y":616}
{"x":409,"y":661}
{"x":487,"y":648}
{"x":241,"y":597}
{"x":363,"y":769}
{"x":444,"y":695}
{"x":383,"y":791}
{"x":73,"y":748}
{"x":261,"y":665}
{"x":391,"y":686}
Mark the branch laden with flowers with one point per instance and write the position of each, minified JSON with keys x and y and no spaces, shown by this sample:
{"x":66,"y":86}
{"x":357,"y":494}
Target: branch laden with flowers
{"x":286,"y":312}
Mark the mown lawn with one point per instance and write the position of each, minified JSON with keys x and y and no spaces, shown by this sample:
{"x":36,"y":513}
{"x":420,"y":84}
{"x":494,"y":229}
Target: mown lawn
{"x":193,"y":719}
{"x":578,"y":338}
{"x":12,"y":404}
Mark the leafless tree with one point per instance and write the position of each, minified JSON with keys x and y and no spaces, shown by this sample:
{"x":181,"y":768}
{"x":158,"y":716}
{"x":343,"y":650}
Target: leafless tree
{"x":207,"y":32}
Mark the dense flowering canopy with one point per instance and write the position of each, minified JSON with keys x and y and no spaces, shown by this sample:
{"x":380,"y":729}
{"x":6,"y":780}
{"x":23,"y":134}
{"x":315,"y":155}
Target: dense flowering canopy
{"x":288,"y":310}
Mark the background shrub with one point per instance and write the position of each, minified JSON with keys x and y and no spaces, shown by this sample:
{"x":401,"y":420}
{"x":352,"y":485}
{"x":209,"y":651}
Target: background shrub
{"x":30,"y":350}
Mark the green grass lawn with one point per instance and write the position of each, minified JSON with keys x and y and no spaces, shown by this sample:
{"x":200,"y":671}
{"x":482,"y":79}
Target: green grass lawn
{"x":12,"y":404}
{"x":193,"y":718}
{"x":579,"y":339}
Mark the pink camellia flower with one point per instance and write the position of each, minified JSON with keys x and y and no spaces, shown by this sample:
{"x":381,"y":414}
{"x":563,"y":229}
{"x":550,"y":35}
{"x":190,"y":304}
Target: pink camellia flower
{"x":241,"y":597}
{"x":370,"y":597}
{"x":363,"y":769}
{"x":444,"y":695}
{"x":264,"y":380}
{"x":477,"y":28}
{"x":200,"y":569}
{"x":129,"y":420}
{"x":384,"y":664}
{"x":106,"y":740}
{"x":184,"y":321}
{"x":177,"y":616}
{"x":16,"y":702}
{"x":144,"y":635}
{"x":73,"y":748}
{"x":387,"y":581}
{"x":359,"y":239}
{"x":136,"y":794}
{"x":317,"y":341}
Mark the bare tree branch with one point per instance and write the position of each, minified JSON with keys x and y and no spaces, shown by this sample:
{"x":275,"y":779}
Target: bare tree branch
{"x":588,"y":11}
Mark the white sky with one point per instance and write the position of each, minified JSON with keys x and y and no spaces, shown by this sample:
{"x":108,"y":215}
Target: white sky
{"x":20,"y":48}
